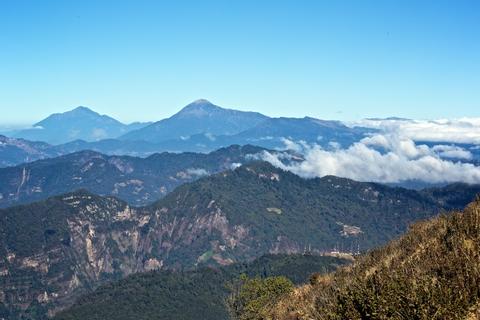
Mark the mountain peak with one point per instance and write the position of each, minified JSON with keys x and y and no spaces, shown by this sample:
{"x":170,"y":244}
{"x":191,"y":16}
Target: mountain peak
{"x":200,"y":102}
{"x":77,"y":113}
{"x":82,"y":109}
{"x":80,"y":123}
{"x":200,"y":107}
{"x":199,"y":117}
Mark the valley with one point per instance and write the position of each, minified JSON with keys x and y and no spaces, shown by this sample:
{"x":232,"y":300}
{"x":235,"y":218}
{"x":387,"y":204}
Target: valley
{"x":239,"y":160}
{"x":139,"y":181}
{"x":63,"y":247}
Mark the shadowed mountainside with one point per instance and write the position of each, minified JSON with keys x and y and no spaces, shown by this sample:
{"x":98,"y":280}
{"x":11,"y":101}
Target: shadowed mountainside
{"x":139,"y":181}
{"x":187,"y":295}
{"x":60,"y":248}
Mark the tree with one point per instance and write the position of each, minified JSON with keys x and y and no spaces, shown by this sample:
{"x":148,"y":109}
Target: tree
{"x":250,"y":296}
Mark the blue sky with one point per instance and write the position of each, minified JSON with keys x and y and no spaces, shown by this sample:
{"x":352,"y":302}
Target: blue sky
{"x":144,"y":60}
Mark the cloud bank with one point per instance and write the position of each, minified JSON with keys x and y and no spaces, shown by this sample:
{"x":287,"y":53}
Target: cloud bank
{"x":384,"y":158}
{"x":463,"y":130}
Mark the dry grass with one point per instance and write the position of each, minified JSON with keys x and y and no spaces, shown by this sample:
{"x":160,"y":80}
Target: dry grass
{"x":432,"y":272}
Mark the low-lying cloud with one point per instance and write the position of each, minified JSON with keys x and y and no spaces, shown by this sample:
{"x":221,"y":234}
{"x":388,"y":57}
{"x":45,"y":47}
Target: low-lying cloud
{"x":384,"y":158}
{"x":463,"y":130}
{"x":197,"y":172}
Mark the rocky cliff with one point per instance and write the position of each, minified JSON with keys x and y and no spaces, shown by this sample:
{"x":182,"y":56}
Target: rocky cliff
{"x":59,"y":248}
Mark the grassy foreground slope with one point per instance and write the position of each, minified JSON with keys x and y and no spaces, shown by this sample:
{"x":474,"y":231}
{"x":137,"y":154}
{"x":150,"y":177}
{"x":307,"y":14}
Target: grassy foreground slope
{"x":54,"y":251}
{"x":432,"y":272}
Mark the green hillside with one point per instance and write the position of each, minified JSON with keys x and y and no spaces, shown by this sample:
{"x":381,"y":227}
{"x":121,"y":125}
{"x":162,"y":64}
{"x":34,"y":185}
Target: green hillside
{"x":56,"y":250}
{"x":432,"y":272}
{"x":198,"y":294}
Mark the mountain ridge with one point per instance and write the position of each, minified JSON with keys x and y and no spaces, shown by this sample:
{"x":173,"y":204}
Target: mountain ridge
{"x":66,"y":245}
{"x":14,"y":151}
{"x":137,"y":180}
{"x":200,"y":126}
{"x":200,"y":116}
{"x":78,"y":123}
{"x":431,"y":272}
{"x":185,"y":295}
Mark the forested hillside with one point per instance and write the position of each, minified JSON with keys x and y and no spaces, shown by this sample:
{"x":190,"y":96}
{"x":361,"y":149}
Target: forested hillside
{"x":139,"y":181}
{"x":432,"y":272}
{"x":188,"y":295}
{"x":58,"y":249}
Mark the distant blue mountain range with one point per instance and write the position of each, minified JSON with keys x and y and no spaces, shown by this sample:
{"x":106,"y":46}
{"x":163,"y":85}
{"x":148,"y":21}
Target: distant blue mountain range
{"x":199,"y":127}
{"x":79,"y":123}
{"x":199,"y":117}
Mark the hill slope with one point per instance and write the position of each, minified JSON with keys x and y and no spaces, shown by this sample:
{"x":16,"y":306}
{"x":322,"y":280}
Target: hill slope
{"x":186,"y":295}
{"x":200,"y":116}
{"x":138,"y":181}
{"x":14,"y":151}
{"x":269,"y":133}
{"x":57,"y":249}
{"x":432,"y":272}
{"x":272,"y":132}
{"x":202,"y":126}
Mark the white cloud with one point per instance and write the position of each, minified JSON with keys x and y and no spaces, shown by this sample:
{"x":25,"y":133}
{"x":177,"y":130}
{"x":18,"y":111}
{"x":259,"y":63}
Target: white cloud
{"x":383,"y":158}
{"x":235,"y":165}
{"x":197,"y":172}
{"x":454,"y":152}
{"x":291,"y":145}
{"x":265,"y":138}
{"x":210,"y":136}
{"x":99,"y":133}
{"x":334,"y":145}
{"x":462,"y":130}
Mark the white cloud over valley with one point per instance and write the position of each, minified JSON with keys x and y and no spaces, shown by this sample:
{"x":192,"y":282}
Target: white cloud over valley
{"x":462,"y":130}
{"x":385,"y":158}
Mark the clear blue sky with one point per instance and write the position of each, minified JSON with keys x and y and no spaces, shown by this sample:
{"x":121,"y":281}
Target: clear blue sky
{"x":144,"y":60}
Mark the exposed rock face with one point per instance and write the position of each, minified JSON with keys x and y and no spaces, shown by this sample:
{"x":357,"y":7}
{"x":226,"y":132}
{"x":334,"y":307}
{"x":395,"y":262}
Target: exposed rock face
{"x":89,"y":240}
{"x":55,"y":250}
{"x":139,"y":181}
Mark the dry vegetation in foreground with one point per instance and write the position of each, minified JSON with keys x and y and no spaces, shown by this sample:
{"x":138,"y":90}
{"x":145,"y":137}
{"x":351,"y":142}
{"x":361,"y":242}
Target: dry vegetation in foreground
{"x":432,"y":272}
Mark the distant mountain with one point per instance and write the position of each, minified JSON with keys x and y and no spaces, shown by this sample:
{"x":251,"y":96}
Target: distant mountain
{"x":14,"y":151}
{"x":17,"y":151}
{"x":186,"y":295}
{"x":432,"y":272}
{"x":199,"y":117}
{"x":111,"y":147}
{"x":138,"y":181}
{"x":199,"y":127}
{"x":389,"y":118}
{"x":59,"y":248}
{"x":272,"y":132}
{"x":79,"y":123}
